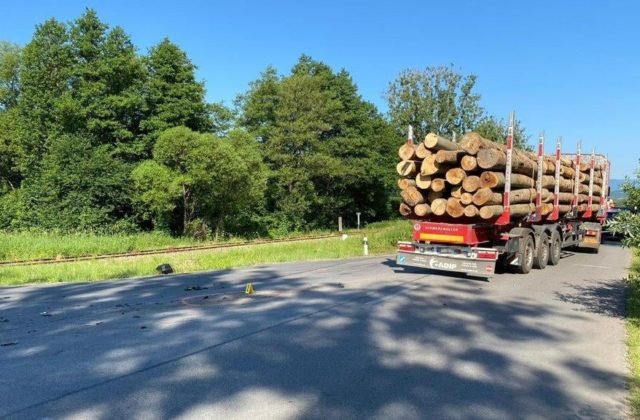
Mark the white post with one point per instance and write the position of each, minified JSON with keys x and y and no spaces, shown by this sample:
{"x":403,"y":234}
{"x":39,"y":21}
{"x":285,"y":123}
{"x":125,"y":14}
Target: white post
{"x":339,"y":223}
{"x":365,"y":244}
{"x":358,"y":215}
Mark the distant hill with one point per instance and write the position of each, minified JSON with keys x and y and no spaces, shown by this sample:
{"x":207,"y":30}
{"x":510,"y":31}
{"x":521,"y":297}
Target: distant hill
{"x":616,"y":189}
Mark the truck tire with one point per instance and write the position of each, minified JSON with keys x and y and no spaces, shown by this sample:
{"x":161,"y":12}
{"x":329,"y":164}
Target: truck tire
{"x":527,"y":253}
{"x":542,"y":255}
{"x":555,"y":248}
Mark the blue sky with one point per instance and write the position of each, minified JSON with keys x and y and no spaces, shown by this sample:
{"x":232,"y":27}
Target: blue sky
{"x":570,"y":68}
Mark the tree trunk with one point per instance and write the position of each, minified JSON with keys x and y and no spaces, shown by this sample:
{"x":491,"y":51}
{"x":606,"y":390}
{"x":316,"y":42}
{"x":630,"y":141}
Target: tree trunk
{"x":517,"y":210}
{"x":449,"y":156}
{"x":422,"y":210}
{"x":471,"y":183}
{"x":469,"y":163}
{"x":407,"y":151}
{"x":407,"y":168}
{"x":404,"y":183}
{"x":439,"y":206}
{"x":455,"y":176}
{"x":466,"y":198}
{"x":422,"y":181}
{"x":495,"y":159}
{"x":471,"y":211}
{"x":454,"y":208}
{"x":438,"y":184}
{"x":495,"y":180}
{"x":405,"y":210}
{"x":456,"y":192}
{"x":412,"y":196}
{"x":422,"y":151}
{"x":486,"y":197}
{"x":435,"y":142}
{"x":431,"y":167}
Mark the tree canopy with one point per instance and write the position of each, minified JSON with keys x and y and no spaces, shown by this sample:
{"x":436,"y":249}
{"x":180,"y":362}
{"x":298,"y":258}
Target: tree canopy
{"x":96,"y":136}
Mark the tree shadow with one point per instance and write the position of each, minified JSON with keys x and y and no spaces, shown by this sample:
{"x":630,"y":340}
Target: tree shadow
{"x":324,"y":340}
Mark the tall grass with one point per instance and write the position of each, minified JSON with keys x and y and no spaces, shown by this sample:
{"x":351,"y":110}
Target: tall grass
{"x":382,"y":238}
{"x":633,"y":333}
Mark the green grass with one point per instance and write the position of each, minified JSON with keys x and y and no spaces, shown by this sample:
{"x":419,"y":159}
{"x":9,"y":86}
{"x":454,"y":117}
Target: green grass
{"x":633,"y":333}
{"x":27,"y":245}
{"x":382,"y":239}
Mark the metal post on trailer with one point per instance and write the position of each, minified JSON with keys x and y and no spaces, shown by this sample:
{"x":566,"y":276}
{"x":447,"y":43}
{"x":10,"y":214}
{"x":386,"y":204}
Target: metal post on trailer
{"x":604,"y":196}
{"x":592,"y":168}
{"x":505,"y":217}
{"x":576,"y":183}
{"x":537,"y":216}
{"x":555,"y":214}
{"x":410,"y":134}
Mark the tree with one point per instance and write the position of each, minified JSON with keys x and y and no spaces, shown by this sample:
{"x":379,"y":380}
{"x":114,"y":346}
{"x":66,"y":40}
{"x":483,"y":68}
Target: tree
{"x":203,"y":177}
{"x":327,"y":148}
{"x":436,"y":99}
{"x":495,"y":129}
{"x":173,"y":96}
{"x":45,"y":78}
{"x":10,"y":61}
{"x":80,"y":187}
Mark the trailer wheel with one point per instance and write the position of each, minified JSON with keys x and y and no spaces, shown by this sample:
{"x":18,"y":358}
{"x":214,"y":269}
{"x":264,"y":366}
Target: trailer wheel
{"x":555,"y":248}
{"x":527,"y":252}
{"x":542,"y":256}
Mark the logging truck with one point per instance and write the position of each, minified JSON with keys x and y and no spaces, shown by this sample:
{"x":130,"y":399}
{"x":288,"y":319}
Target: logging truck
{"x":516,"y":209}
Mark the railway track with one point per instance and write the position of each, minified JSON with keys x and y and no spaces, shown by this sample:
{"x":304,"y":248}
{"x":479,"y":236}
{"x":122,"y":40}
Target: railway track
{"x":173,"y":250}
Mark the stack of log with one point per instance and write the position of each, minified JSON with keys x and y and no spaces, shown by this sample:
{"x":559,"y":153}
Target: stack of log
{"x":466,"y":180}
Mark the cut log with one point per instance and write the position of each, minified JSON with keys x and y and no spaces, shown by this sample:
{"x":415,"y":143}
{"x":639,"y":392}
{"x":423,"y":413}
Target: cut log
{"x":496,"y":180}
{"x":422,"y":151}
{"x":471,"y":183}
{"x":549,"y":182}
{"x":449,"y":156}
{"x":422,"y":210}
{"x":516,"y":210}
{"x":439,"y":206}
{"x":412,"y":196}
{"x":407,"y":168}
{"x":455,"y":176}
{"x":469,"y":163}
{"x":404,"y":183}
{"x":496,"y":159}
{"x":471,"y":211}
{"x":407,"y":151}
{"x":486,"y":197}
{"x":438,"y":184}
{"x":431,"y":167}
{"x":454,"y":208}
{"x":472,"y":143}
{"x":423,"y":181}
{"x":435,"y":142}
{"x":456,"y":192}
{"x":466,"y":198}
{"x":405,"y":210}
{"x":434,"y":195}
{"x":567,"y":172}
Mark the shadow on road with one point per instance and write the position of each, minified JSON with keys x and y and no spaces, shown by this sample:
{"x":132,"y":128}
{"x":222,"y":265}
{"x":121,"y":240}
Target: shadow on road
{"x":401,"y":349}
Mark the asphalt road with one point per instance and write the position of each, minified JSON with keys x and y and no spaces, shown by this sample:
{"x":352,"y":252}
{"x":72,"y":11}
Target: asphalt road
{"x":355,"y":338}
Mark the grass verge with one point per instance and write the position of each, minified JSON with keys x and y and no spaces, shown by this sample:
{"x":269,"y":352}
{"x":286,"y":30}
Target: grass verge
{"x":30,"y":245}
{"x":382,"y":239}
{"x":633,"y":333}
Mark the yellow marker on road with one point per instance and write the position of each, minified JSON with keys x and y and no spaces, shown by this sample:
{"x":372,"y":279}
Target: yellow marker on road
{"x":249,"y":289}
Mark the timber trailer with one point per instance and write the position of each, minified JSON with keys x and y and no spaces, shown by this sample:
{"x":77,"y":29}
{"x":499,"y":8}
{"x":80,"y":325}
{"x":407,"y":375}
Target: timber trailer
{"x":521,"y":243}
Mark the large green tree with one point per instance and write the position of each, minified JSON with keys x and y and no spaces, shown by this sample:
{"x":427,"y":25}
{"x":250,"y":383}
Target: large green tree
{"x":436,"y":99}
{"x":198,"y":182}
{"x":327,"y":148}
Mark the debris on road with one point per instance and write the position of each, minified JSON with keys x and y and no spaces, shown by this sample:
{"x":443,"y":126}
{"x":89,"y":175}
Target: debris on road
{"x":9,"y":343}
{"x":164,"y":269}
{"x":3,"y":319}
{"x":194,"y":288}
{"x":45,"y":313}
